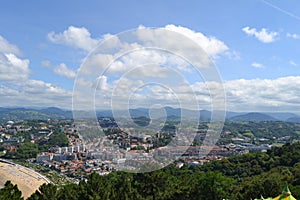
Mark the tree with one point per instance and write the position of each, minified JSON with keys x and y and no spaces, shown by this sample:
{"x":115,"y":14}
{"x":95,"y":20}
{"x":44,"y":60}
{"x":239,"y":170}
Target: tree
{"x":25,"y":150}
{"x":10,"y":192}
{"x":122,"y":186}
{"x":266,"y":184}
{"x":45,"y":192}
{"x":155,"y":185}
{"x":59,"y":139}
{"x":96,"y":187}
{"x":211,"y":185}
{"x":69,"y":192}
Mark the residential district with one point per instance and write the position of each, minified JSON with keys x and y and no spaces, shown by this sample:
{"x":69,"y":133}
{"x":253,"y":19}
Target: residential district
{"x":57,"y":145}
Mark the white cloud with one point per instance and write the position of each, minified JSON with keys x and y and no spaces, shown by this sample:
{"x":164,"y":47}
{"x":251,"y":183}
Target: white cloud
{"x":145,"y":60}
{"x":264,"y":94}
{"x":293,"y":63}
{"x":13,"y":68}
{"x":124,"y":87}
{"x":257,"y":65}
{"x":167,"y":49}
{"x":149,"y":58}
{"x":242,"y":95}
{"x":211,"y":45}
{"x":149,"y":71}
{"x":102,"y":83}
{"x":293,"y":35}
{"x":233,"y":55}
{"x":63,"y":70}
{"x":38,"y":86}
{"x":34,"y":93}
{"x":7,"y":48}
{"x":97,"y":63}
{"x":282,"y":94}
{"x":74,"y":37}
{"x":17,"y":89}
{"x":263,"y":35}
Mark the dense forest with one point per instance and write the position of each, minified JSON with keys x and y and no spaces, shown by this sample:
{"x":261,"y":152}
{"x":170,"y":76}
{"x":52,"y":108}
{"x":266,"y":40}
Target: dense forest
{"x":239,"y":177}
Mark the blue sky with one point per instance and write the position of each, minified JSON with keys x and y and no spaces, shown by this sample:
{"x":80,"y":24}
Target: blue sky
{"x":262,"y":40}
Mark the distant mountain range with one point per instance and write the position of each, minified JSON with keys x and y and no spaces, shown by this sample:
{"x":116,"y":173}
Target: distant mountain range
{"x":57,"y":113}
{"x":206,"y":115}
{"x":31,"y":113}
{"x":254,"y":116}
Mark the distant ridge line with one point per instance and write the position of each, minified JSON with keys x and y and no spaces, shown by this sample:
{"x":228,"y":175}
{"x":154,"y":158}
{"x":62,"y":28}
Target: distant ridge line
{"x":205,"y":115}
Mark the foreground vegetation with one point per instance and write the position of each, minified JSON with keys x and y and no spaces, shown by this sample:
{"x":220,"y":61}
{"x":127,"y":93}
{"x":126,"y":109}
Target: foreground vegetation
{"x":239,"y":177}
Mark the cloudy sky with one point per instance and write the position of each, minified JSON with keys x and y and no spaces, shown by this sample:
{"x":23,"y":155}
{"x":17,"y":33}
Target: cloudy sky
{"x":254,"y":45}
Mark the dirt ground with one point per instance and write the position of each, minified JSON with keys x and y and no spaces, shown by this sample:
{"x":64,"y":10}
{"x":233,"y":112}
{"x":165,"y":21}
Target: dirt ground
{"x":27,"y":180}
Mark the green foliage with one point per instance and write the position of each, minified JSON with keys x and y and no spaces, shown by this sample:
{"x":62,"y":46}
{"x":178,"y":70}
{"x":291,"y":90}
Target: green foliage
{"x":267,"y":129}
{"x":59,"y":139}
{"x":211,"y":185}
{"x":25,"y":151}
{"x":266,"y":184}
{"x":34,"y":114}
{"x":138,"y":148}
{"x":45,"y":192}
{"x":141,"y":121}
{"x":169,"y":184}
{"x":239,"y":177}
{"x":10,"y":192}
{"x":67,"y":192}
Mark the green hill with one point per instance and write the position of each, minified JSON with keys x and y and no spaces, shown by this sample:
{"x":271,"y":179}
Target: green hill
{"x":29,"y":113}
{"x":252,"y":117}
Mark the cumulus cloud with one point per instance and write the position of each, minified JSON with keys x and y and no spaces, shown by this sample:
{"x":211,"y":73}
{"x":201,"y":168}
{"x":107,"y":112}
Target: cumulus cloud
{"x":263,"y":35}
{"x":102,"y":83}
{"x":78,"y":37}
{"x":13,"y":68}
{"x":241,"y":95}
{"x":81,"y":38}
{"x":293,"y":35}
{"x":150,"y":58}
{"x":16,"y":87}
{"x":34,"y":93}
{"x":264,"y":94}
{"x":257,"y":65}
{"x":211,"y":45}
{"x":143,"y":56}
{"x":63,"y":70}
{"x":6,"y":47}
{"x":282,"y":94}
{"x":118,"y":83}
{"x":149,"y":47}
